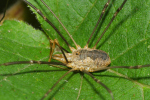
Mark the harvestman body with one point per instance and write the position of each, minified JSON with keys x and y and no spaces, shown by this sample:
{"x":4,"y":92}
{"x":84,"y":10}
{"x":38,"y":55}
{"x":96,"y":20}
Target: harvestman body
{"x":82,"y":59}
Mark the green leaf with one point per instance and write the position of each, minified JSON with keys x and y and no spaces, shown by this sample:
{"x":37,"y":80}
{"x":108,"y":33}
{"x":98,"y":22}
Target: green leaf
{"x":127,"y":41}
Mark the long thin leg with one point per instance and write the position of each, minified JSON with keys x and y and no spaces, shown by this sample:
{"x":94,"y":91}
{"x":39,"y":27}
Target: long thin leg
{"x":35,"y":62}
{"x":102,"y":13}
{"x":4,"y":11}
{"x":48,"y":21}
{"x":98,"y":81}
{"x":61,"y":67}
{"x":128,"y":67}
{"x":60,"y":23}
{"x":115,"y":14}
{"x":32,"y":62}
{"x":56,"y":84}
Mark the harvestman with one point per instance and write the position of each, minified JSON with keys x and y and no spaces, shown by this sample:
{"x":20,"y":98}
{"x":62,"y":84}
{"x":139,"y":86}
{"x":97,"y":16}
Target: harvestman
{"x":84,"y":59}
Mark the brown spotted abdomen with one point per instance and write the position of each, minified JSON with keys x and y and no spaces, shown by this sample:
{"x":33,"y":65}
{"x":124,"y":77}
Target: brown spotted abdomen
{"x":89,"y":59}
{"x":100,"y":58}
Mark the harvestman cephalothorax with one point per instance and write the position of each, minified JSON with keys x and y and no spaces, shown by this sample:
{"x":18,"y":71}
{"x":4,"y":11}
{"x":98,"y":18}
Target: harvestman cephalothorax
{"x":102,"y":57}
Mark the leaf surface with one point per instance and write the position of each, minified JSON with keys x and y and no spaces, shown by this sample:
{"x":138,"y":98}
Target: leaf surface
{"x":127,"y":41}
